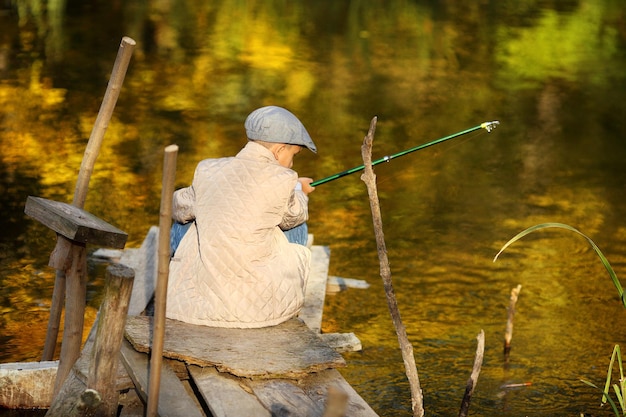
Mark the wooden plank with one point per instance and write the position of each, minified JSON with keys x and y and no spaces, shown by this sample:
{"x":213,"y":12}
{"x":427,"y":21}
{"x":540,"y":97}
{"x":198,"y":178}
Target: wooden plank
{"x":174,"y":400}
{"x":316,"y":386}
{"x":289,"y":349}
{"x":74,"y":223}
{"x":342,"y":342}
{"x":30,"y":384}
{"x":225,"y":395}
{"x":130,"y":404}
{"x":27,"y":384}
{"x":338,"y":284}
{"x":285,"y":398}
{"x":315,"y":292}
{"x":144,"y":261}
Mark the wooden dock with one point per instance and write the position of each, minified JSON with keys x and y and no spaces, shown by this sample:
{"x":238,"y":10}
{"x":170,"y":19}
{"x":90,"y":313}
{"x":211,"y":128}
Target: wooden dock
{"x":285,"y":370}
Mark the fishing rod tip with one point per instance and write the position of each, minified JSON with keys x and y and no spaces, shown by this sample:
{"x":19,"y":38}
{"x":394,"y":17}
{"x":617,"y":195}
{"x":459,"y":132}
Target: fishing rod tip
{"x":489,"y":126}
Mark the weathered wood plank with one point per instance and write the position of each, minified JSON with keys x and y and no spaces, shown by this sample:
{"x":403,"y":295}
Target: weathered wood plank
{"x":225,"y":395}
{"x":130,"y":404}
{"x":74,"y":223}
{"x":174,"y":401}
{"x":337,"y":284}
{"x":27,"y":384}
{"x":30,"y":384}
{"x":289,"y":349}
{"x":342,"y":342}
{"x":316,"y":386}
{"x":285,"y":398}
{"x":315,"y":293}
{"x":144,"y":261}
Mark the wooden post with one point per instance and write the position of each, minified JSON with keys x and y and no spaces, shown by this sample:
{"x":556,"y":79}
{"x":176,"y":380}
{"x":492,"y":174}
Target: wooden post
{"x":54,"y":321}
{"x":76,"y":227}
{"x":59,"y":258}
{"x":109,"y":336}
{"x":369,"y":178}
{"x":160,"y":297}
{"x":98,"y":396}
{"x":75,"y":300}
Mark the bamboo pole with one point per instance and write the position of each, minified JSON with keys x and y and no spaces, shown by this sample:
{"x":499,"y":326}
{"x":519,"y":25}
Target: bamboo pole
{"x":109,"y":336}
{"x":369,"y":178}
{"x":111,"y":95}
{"x":60,"y":256}
{"x":160,"y":298}
{"x":473,"y":379}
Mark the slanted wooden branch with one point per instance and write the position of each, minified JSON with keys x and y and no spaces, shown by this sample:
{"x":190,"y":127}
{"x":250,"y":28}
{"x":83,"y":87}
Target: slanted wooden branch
{"x":369,"y":178}
{"x":61,"y":256}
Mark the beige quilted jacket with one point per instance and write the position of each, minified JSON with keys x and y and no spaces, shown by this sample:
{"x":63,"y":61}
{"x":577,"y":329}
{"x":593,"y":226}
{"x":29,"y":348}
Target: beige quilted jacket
{"x":235,"y":267}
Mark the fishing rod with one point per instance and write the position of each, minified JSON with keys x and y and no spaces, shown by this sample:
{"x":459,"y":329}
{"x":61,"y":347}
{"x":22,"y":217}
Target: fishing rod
{"x":488,"y":126}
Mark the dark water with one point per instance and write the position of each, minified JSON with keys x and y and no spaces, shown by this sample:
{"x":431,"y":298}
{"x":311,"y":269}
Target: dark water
{"x":552,"y":72}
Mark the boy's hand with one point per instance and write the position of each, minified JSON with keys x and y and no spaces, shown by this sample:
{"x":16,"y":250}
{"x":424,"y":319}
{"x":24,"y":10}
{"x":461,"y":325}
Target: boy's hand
{"x":306,"y":187}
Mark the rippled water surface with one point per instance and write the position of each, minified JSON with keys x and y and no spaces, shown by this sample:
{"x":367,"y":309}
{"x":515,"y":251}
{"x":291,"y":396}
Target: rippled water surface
{"x":550,"y":72}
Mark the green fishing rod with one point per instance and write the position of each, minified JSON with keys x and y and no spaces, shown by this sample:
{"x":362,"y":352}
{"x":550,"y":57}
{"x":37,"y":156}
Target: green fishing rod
{"x":488,"y":126}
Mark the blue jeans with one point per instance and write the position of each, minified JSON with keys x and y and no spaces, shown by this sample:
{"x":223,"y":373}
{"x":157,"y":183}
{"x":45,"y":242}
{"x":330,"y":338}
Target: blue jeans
{"x":299,"y":234}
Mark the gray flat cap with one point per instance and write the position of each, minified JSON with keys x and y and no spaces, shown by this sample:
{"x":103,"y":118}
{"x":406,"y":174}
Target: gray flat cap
{"x":277,"y":125}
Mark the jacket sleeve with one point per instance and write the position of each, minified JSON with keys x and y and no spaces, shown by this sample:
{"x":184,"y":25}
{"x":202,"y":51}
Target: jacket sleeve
{"x":297,"y":209}
{"x":183,"y":204}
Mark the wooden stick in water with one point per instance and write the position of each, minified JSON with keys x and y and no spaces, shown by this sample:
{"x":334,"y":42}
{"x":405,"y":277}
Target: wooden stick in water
{"x":369,"y":178}
{"x":160,"y":297}
{"x":508,"y":334}
{"x":471,"y":383}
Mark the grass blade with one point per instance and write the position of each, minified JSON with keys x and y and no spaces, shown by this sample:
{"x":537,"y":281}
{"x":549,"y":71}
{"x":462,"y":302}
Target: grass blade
{"x":605,"y":396}
{"x":603,"y":259}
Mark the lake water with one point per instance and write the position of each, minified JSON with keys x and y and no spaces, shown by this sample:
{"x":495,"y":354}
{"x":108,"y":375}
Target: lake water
{"x":552,"y":73}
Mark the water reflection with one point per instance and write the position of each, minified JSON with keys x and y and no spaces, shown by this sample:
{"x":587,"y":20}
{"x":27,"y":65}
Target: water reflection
{"x":551,"y":72}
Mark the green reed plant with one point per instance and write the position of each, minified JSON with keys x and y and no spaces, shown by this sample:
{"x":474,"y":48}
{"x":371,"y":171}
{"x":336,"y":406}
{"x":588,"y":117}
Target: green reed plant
{"x":603,"y":259}
{"x":618,"y":388}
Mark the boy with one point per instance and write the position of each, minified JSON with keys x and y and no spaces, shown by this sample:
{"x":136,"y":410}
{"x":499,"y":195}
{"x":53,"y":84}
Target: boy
{"x":235,"y":267}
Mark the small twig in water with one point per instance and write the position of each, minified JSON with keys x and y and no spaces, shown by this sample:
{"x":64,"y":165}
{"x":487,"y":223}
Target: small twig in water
{"x":471,"y":382}
{"x":508,"y":334}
